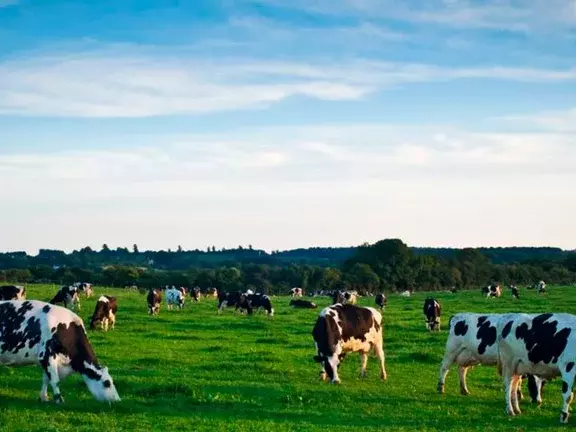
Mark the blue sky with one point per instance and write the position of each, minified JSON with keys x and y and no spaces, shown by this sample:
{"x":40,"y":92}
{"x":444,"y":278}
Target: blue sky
{"x":285,"y":124}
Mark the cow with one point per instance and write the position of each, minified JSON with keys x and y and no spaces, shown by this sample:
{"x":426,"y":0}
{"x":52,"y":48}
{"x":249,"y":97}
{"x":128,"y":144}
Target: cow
{"x":381,"y":301}
{"x":12,"y":292}
{"x":515,"y":292}
{"x":174,"y":297}
{"x":196,"y":294}
{"x":35,"y":332}
{"x":541,"y":287}
{"x":472,"y":341}
{"x":350,"y":297}
{"x":303,"y":304}
{"x":296,"y":292}
{"x":257,"y":301}
{"x":211,"y":292}
{"x":183,"y":290}
{"x":85,"y":287}
{"x":68,"y":296}
{"x":104,"y":312}
{"x":232,"y":299}
{"x":341,"y":329}
{"x":539,"y":344}
{"x":338,"y":297}
{"x":432,"y":314}
{"x":406,"y":293}
{"x":492,"y":291}
{"x":154,"y":300}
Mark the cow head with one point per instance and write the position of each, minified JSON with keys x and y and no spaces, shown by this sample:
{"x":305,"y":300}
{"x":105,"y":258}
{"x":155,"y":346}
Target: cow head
{"x":102,"y":386}
{"x":330,"y":364}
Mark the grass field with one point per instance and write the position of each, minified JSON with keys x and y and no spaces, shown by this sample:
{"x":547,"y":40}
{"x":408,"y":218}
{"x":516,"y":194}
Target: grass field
{"x":194,"y":370}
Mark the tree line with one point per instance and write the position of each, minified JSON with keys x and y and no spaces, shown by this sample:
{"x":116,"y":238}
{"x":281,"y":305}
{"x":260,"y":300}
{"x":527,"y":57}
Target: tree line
{"x":387,"y":265}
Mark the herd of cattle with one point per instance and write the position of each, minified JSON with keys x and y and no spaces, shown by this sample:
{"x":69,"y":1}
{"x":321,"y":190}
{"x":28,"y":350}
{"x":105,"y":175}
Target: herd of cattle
{"x":536,"y":347}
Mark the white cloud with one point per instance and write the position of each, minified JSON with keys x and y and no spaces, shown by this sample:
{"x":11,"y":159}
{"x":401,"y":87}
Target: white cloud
{"x":559,"y":121}
{"x":282,"y":187}
{"x":141,"y":83}
{"x":527,"y":15}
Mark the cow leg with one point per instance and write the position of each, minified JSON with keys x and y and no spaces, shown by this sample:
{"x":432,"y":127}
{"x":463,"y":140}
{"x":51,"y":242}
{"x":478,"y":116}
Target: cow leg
{"x":113,"y":320}
{"x":105,"y":324}
{"x":448,"y":361}
{"x":567,"y":395}
{"x":519,"y":394}
{"x":364,"y":362}
{"x":44,"y":389}
{"x":380,"y":354}
{"x":516,"y":381}
{"x":462,"y":371}
{"x":508,"y":390}
{"x":54,"y":378}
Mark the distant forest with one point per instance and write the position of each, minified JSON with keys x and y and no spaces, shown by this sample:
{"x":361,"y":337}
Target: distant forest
{"x":385,"y":265}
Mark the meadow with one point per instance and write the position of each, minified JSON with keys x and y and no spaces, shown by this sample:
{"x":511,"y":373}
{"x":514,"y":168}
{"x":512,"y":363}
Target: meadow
{"x":195,"y":370}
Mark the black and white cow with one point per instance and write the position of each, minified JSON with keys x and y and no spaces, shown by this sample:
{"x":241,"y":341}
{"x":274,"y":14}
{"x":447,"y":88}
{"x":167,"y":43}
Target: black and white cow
{"x":539,"y":344}
{"x":432,"y":314}
{"x":104,"y":312}
{"x":381,"y":301}
{"x":68,"y":296}
{"x":231,"y":299}
{"x":472,"y":341}
{"x":515,"y":292}
{"x":196,"y":294}
{"x":258,"y":301}
{"x":174,"y":297}
{"x":492,"y":291}
{"x":85,"y":287}
{"x":341,"y":329}
{"x":344,"y":297}
{"x":541,"y":287}
{"x":211,"y":292}
{"x":303,"y":304}
{"x":154,"y":300}
{"x":12,"y":292}
{"x":296,"y":292}
{"x":35,"y":332}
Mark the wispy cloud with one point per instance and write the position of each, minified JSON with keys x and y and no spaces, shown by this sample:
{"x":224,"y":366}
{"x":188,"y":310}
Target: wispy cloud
{"x":510,"y":15}
{"x":138,"y":83}
{"x":558,"y":121}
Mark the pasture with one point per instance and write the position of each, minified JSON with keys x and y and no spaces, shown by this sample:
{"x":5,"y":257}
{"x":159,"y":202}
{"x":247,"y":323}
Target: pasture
{"x":194,"y":370}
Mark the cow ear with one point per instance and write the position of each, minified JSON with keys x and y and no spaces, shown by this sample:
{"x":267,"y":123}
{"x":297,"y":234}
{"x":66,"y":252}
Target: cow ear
{"x":317,"y":359}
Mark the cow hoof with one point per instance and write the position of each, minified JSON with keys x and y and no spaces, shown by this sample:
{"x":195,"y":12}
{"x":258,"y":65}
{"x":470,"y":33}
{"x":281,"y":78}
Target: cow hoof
{"x":510,"y":412}
{"x":58,"y":399}
{"x":383,"y":377}
{"x":440,"y":388}
{"x":464,"y":392}
{"x":563,"y":417}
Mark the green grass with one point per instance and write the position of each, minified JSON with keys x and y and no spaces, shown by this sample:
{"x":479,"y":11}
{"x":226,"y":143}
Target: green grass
{"x":194,"y":370}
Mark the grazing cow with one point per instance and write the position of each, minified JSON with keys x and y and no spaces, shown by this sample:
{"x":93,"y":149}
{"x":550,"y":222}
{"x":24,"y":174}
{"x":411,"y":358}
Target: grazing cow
{"x":196,"y":294}
{"x":351,"y":297}
{"x":303,"y":304}
{"x":85,"y":287}
{"x":341,"y":329}
{"x":232,"y":299}
{"x":406,"y":293}
{"x":154,"y":299}
{"x":539,"y":344}
{"x":211,"y":292}
{"x":35,"y":332}
{"x":381,"y":301}
{"x":338,"y":297}
{"x":174,"y":297}
{"x":432,"y":314}
{"x":257,"y":301}
{"x":541,"y":287}
{"x":68,"y":296}
{"x":104,"y":313}
{"x":515,"y":292}
{"x":296,"y":292}
{"x":492,"y":291}
{"x":12,"y":292}
{"x":472,"y":341}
